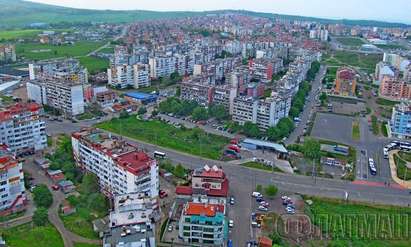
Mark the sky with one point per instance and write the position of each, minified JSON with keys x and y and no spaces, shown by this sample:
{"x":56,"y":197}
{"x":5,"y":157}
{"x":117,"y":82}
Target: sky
{"x":383,"y":10}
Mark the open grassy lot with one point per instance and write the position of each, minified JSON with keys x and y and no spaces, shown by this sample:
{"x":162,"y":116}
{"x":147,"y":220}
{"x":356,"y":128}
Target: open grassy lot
{"x":85,"y":245}
{"x":349,"y":224}
{"x":385,"y":102}
{"x":94,"y":64}
{"x":350,"y":41}
{"x":401,"y":159}
{"x":16,"y":34}
{"x":390,"y":46}
{"x":192,"y":141}
{"x":45,"y":51}
{"x":28,"y":236}
{"x":365,"y":62}
{"x":355,"y":131}
{"x":80,"y":223}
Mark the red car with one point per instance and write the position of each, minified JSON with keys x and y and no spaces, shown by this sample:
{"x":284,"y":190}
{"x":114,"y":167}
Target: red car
{"x":234,"y":148}
{"x":55,"y":187}
{"x":163,"y":194}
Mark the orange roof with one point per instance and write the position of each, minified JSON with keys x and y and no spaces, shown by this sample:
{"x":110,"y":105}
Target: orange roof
{"x":265,"y":242}
{"x":209,"y":210}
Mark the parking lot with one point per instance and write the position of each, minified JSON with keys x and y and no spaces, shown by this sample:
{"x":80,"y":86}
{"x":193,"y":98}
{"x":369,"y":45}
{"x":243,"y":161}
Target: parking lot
{"x":333,"y":127}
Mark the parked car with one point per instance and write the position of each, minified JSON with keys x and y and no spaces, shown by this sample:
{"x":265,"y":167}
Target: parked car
{"x":170,"y":228}
{"x":231,"y":223}
{"x":232,"y":201}
{"x":256,"y":194}
{"x":262,"y":208}
{"x":55,"y":187}
{"x":163,"y":194}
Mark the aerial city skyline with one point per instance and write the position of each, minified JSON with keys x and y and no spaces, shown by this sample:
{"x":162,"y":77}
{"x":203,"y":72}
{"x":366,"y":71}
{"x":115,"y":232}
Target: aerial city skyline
{"x":207,"y":129}
{"x":395,"y":11}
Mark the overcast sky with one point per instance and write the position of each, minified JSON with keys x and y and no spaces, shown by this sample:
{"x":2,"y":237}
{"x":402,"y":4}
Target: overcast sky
{"x":386,"y":10}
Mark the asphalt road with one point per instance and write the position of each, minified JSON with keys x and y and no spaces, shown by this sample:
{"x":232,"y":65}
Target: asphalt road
{"x":299,"y":130}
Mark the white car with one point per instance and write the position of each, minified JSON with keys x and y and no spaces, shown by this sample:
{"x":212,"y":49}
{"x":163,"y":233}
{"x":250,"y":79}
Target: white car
{"x":231,"y":223}
{"x":262,"y":208}
{"x":290,"y":210}
{"x":256,"y":194}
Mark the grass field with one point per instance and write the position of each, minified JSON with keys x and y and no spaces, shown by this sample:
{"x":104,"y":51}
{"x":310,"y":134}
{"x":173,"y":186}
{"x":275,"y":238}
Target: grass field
{"x":350,"y":41}
{"x":16,"y":34}
{"x":85,"y":245}
{"x":28,"y":236}
{"x":390,"y":46}
{"x":357,"y":60}
{"x":94,"y":64}
{"x":386,"y":102}
{"x":45,"y":51}
{"x":355,"y":131}
{"x":80,"y":223}
{"x":351,"y":224}
{"x":191,"y":141}
{"x":401,"y":159}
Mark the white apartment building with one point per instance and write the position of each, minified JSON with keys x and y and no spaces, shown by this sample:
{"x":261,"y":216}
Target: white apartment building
{"x":162,"y":66}
{"x":67,"y":69}
{"x":265,"y":113}
{"x":7,"y":53}
{"x":120,"y":166}
{"x":124,"y":76}
{"x":59,"y":94}
{"x":12,"y":196}
{"x":21,"y":128}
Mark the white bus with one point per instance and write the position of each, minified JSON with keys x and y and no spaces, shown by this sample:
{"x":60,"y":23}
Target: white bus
{"x":371,"y":166}
{"x":160,"y":155}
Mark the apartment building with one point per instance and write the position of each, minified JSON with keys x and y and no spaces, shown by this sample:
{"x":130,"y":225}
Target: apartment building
{"x":162,"y":66}
{"x":203,"y":224}
{"x":131,"y":221}
{"x":120,"y":166}
{"x":263,"y":69}
{"x":12,"y":191}
{"x":395,"y":88}
{"x":7,"y":53}
{"x":123,"y":76}
{"x":265,"y":113}
{"x":201,"y":92}
{"x":400,"y":123}
{"x":21,"y":128}
{"x":346,"y":81}
{"x":67,"y":69}
{"x":66,"y":96}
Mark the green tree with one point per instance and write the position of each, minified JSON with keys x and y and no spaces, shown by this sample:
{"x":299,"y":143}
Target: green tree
{"x":42,"y":196}
{"x":200,"y":113}
{"x":40,"y":216}
{"x":311,"y":151}
{"x":180,"y":171}
{"x":259,"y":188}
{"x":270,"y":191}
{"x":251,"y":129}
{"x":142,"y":110}
{"x":124,"y":114}
{"x":97,"y":202}
{"x":218,"y":111}
{"x":89,"y":184}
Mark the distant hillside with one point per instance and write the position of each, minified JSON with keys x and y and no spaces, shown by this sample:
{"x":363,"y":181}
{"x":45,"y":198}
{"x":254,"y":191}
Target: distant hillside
{"x":18,"y":13}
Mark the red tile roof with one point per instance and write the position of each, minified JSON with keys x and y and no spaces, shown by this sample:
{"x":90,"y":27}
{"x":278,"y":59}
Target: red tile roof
{"x":265,"y":242}
{"x":135,"y":162}
{"x":223,"y":192}
{"x":13,"y":110}
{"x":184,"y":190}
{"x":209,"y":210}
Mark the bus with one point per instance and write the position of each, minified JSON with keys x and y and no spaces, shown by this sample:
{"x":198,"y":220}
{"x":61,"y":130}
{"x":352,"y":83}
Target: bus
{"x":371,"y":166}
{"x":159,"y":155}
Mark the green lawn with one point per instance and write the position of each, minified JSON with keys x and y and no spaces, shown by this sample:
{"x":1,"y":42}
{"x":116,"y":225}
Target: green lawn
{"x":28,"y":236}
{"x":365,"y":62}
{"x":386,"y":102}
{"x":359,"y":224}
{"x":94,"y":64}
{"x":107,"y":50}
{"x":257,"y":165}
{"x":390,"y":46}
{"x":356,"y":131}
{"x":16,"y":34}
{"x":350,"y":41}
{"x":86,"y":245}
{"x":374,"y":125}
{"x":403,"y":172}
{"x":45,"y":51}
{"x":80,"y":223}
{"x":11,"y":216}
{"x":384,"y":130}
{"x":192,"y":141}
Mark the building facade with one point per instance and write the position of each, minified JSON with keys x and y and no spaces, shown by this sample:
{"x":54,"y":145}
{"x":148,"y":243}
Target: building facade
{"x":120,"y":167}
{"x":345,"y":82}
{"x":21,"y":128}
{"x":12,"y":191}
{"x":7,"y":53}
{"x":400,"y":123}
{"x":203,"y":224}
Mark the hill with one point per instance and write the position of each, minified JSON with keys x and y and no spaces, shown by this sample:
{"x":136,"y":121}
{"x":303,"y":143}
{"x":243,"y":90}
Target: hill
{"x":19,"y":13}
